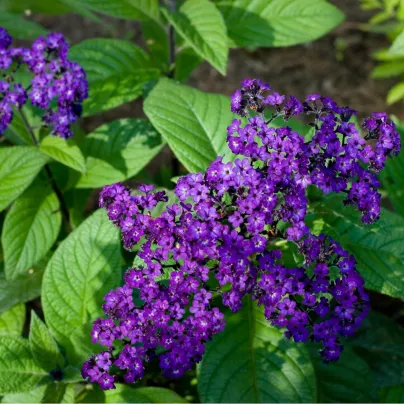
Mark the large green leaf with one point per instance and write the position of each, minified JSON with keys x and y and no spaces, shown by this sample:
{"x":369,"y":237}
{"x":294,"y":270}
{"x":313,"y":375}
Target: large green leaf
{"x":18,"y":370}
{"x":117,"y":71}
{"x":126,"y":394}
{"x":253,"y":23}
{"x":19,"y":166}
{"x":30,"y":229}
{"x":253,"y":362}
{"x":12,"y":321}
{"x":83,"y":269}
{"x":193,"y":122}
{"x":127,"y":9}
{"x":393,"y":180}
{"x":43,"y":346}
{"x":349,"y":380}
{"x":378,"y":249}
{"x":117,"y":151}
{"x":64,"y":151}
{"x":20,"y":28}
{"x":380,"y":342}
{"x":201,"y":26}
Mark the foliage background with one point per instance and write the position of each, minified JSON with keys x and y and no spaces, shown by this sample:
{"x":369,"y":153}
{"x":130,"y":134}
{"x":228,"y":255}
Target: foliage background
{"x":338,"y":65}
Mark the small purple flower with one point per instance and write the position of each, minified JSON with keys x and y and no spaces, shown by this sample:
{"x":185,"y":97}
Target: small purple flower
{"x":5,"y":39}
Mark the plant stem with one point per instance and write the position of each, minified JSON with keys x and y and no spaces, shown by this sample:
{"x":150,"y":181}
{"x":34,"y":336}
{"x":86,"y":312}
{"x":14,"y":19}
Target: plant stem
{"x":171,"y":42}
{"x":63,"y":206}
{"x":171,"y":66}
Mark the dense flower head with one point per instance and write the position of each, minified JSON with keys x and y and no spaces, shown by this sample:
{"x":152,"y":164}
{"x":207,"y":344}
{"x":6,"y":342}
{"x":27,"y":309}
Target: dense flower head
{"x":219,"y":240}
{"x":58,"y":86}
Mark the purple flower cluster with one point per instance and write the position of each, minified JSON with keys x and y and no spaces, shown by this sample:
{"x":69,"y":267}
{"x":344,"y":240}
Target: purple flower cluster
{"x":218,"y":241}
{"x":158,"y":322}
{"x":58,"y":86}
{"x":337,"y":159}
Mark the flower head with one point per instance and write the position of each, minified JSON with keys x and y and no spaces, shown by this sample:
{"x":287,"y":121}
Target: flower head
{"x":222,"y":231}
{"x":58,"y":87}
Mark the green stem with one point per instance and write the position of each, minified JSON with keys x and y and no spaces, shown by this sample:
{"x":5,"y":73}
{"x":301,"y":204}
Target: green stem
{"x":171,"y":66}
{"x":63,"y":206}
{"x":171,"y":42}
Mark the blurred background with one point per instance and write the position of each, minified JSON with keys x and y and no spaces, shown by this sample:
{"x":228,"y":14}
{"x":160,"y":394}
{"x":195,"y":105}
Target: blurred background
{"x":338,"y":65}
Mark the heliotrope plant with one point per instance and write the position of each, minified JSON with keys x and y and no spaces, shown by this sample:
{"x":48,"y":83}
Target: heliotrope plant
{"x":58,"y":86}
{"x":218,"y":243}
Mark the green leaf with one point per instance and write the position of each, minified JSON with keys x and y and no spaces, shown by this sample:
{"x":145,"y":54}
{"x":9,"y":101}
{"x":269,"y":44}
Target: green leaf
{"x":20,"y":28}
{"x":43,"y":346}
{"x":12,"y":321}
{"x":127,"y":9}
{"x":125,"y":394}
{"x":19,"y":166}
{"x":253,"y":23}
{"x":380,"y":17}
{"x":20,"y":290}
{"x":349,"y":380}
{"x":18,"y":370}
{"x":378,"y":249}
{"x":397,"y":48}
{"x":30,"y":229}
{"x":383,"y":55}
{"x":117,"y":151}
{"x":76,"y":200}
{"x":64,"y":151}
{"x":380,"y":342}
{"x":201,"y":26}
{"x":185,"y":63}
{"x":116,"y":90}
{"x":91,"y":393}
{"x":80,"y":339}
{"x":59,"y":393}
{"x":83,"y":269}
{"x":32,"y":396}
{"x":388,"y":69}
{"x":17,"y":132}
{"x":394,"y":394}
{"x":156,"y":40}
{"x":52,"y":7}
{"x":253,"y":362}
{"x":396,"y":93}
{"x":193,"y":122}
{"x":72,"y":374}
{"x":392,"y":178}
{"x":116,"y":69}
